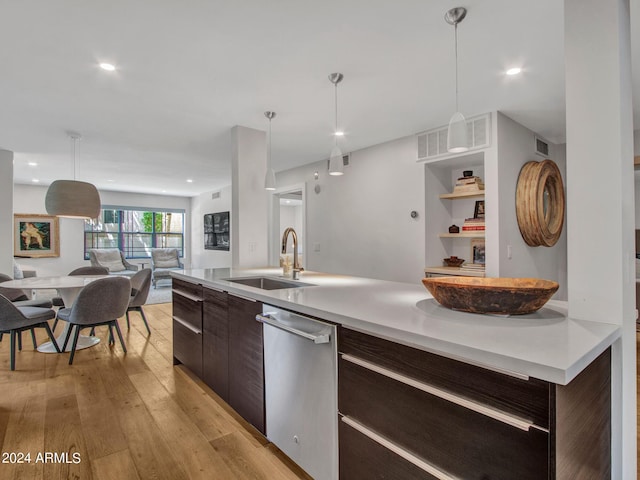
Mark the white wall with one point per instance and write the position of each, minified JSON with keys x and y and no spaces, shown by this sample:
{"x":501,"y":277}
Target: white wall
{"x":516,"y":146}
{"x":291,"y":216}
{"x":6,"y":212}
{"x":30,"y":199}
{"x":361,"y":222}
{"x":201,"y":205}
{"x":249,"y":199}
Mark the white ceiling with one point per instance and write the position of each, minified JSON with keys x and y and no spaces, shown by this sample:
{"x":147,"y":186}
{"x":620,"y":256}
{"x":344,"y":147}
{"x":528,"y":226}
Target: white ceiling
{"x":188,"y":71}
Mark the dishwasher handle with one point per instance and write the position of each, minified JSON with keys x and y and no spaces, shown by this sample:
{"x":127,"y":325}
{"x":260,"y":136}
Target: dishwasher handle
{"x":315,"y":338}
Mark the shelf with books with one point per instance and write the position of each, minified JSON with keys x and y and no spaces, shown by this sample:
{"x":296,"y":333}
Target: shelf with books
{"x":454,"y":195}
{"x":473,"y":234}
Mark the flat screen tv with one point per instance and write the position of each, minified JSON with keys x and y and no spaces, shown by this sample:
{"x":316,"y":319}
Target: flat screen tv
{"x":216,"y":231}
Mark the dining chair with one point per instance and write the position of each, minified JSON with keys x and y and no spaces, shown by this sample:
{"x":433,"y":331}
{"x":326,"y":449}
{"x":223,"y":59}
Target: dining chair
{"x":58,"y":302}
{"x":20,"y":299}
{"x":14,"y":320}
{"x":101,"y":302}
{"x":140,"y":285}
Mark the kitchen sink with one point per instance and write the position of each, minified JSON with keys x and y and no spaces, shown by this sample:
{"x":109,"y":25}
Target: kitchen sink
{"x":267,"y":283}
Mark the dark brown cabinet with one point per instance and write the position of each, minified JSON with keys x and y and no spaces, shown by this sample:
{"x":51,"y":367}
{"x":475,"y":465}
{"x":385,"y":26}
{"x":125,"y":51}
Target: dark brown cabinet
{"x":187,"y":325}
{"x":406,"y":413}
{"x":246,"y":362}
{"x":215,"y":342}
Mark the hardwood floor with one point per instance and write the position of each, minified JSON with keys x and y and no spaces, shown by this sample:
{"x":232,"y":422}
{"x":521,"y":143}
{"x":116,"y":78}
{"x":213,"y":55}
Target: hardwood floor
{"x":132,"y":416}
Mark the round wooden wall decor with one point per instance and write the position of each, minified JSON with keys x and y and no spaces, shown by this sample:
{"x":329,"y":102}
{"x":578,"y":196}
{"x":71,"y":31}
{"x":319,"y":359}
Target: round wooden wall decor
{"x":540,"y":203}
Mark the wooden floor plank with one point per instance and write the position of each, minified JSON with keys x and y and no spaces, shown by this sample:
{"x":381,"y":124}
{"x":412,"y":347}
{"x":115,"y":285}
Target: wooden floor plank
{"x":117,"y":466}
{"x":25,"y":406}
{"x":248,"y":462}
{"x":63,"y":436}
{"x":182,"y":436}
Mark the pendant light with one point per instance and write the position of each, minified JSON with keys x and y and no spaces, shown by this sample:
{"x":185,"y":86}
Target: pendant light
{"x":270,"y":177}
{"x":457,"y":138}
{"x":336,"y":165}
{"x":72,"y":198}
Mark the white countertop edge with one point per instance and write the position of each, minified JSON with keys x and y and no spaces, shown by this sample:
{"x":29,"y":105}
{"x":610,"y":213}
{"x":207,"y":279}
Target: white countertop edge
{"x":559,"y":374}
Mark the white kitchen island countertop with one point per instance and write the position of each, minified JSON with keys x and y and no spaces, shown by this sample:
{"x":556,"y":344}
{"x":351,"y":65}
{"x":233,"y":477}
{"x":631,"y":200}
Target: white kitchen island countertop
{"x":546,"y":344}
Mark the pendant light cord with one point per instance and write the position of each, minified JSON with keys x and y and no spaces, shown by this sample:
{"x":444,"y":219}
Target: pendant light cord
{"x":74,"y":151}
{"x":269,"y":157}
{"x":335,"y":132}
{"x":455,"y":29}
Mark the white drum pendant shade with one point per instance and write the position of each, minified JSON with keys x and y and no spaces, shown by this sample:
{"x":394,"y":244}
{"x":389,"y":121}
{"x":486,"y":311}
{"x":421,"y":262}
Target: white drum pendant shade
{"x":73,"y":199}
{"x":457,"y":138}
{"x":270,"y":180}
{"x":336,"y":164}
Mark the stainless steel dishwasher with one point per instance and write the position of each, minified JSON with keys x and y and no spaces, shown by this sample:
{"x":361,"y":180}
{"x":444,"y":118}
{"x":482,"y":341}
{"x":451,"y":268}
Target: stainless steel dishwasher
{"x":301,"y":398}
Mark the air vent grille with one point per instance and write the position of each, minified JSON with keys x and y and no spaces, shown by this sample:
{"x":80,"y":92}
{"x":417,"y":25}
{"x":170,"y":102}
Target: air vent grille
{"x":215,"y":195}
{"x":542,"y":147}
{"x":433,"y":144}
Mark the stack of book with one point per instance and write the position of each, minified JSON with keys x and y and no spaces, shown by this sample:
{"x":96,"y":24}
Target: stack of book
{"x":472,"y":267}
{"x":473,"y":225}
{"x":468,"y":185}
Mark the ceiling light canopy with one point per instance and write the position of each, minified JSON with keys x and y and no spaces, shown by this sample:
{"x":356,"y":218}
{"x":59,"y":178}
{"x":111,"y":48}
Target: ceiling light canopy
{"x":457,"y":137}
{"x":108,"y":67}
{"x":270,"y":176}
{"x":336,"y":165}
{"x":72,"y":198}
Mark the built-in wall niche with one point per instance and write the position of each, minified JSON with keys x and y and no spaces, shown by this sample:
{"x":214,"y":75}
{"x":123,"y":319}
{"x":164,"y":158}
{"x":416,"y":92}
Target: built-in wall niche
{"x":216,"y":231}
{"x":444,"y":207}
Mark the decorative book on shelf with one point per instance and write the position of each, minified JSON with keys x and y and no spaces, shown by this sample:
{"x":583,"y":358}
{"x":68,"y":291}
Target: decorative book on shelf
{"x":468,"y":184}
{"x":473,"y":225}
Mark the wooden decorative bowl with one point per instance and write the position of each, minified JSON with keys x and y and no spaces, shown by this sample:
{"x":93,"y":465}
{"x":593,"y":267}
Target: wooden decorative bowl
{"x":453,"y":261}
{"x":498,"y":296}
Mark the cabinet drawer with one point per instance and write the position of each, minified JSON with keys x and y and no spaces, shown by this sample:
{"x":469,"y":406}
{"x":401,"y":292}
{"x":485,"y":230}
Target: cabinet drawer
{"x":363,"y":458}
{"x":215,"y":342}
{"x":448,"y":435}
{"x":215,"y":310}
{"x":187,"y":289}
{"x":187,"y":346}
{"x":187,"y":310}
{"x":527,"y":398}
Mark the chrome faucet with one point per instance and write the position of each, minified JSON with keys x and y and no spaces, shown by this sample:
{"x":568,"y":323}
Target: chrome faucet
{"x":296,"y":265}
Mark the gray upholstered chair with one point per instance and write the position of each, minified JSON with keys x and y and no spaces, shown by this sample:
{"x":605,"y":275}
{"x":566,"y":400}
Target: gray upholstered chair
{"x":58,"y":302}
{"x":101,"y":302}
{"x":140,"y":284}
{"x":14,"y":320}
{"x":20,"y":299}
{"x":113,"y":260}
{"x":163,"y":261}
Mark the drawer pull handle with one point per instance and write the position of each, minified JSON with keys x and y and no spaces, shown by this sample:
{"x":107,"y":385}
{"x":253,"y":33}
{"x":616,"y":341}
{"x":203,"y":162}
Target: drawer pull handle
{"x":401,"y":452}
{"x":242,"y":297}
{"x":188,"y":295}
{"x":463,"y":402}
{"x":268,"y":319}
{"x":187,"y":325}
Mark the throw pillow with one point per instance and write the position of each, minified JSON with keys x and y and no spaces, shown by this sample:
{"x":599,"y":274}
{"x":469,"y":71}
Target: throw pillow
{"x":17,"y":271}
{"x":165,"y":259}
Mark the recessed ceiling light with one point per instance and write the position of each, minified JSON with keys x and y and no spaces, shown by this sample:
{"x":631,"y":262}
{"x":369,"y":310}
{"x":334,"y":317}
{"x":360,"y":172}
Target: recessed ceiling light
{"x":514,"y":71}
{"x":33,"y":164}
{"x":164,"y":191}
{"x":339,"y":134}
{"x":108,"y":67}
{"x":189,"y":180}
{"x":35,"y":180}
{"x":110,"y":180}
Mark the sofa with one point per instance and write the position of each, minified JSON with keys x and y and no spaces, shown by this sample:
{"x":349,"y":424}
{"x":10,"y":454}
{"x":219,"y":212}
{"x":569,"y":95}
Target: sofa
{"x":163,"y":261}
{"x":113,"y":260}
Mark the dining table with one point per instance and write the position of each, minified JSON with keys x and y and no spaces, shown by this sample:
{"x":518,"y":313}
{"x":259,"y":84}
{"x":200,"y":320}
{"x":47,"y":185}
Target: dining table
{"x":68,"y":288}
